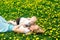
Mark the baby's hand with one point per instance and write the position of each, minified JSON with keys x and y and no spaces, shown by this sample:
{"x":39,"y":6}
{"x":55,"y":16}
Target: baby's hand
{"x":12,"y":22}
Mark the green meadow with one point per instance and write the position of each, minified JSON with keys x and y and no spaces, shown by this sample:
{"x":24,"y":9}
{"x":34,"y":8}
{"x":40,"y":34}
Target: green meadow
{"x":46,"y":11}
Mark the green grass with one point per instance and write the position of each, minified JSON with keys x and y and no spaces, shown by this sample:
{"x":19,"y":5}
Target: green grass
{"x":46,"y":11}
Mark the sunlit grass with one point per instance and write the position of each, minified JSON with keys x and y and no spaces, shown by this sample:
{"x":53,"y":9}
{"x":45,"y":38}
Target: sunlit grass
{"x":46,"y":11}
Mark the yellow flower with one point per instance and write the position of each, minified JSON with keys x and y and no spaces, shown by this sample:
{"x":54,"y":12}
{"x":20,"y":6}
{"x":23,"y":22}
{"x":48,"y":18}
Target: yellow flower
{"x":4,"y":38}
{"x":51,"y":31}
{"x":23,"y":35}
{"x":49,"y":36}
{"x":14,"y":37}
{"x":10,"y":37}
{"x":56,"y":38}
{"x":41,"y":39}
{"x":27,"y":38}
{"x":2,"y":34}
{"x":17,"y":39}
{"x":34,"y":35}
{"x":52,"y":36}
{"x":33,"y":39}
{"x":59,"y":36}
{"x":6,"y":2}
{"x":37,"y":38}
{"x":54,"y":29}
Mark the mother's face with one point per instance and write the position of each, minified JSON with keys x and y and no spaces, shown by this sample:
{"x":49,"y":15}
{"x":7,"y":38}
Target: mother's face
{"x":36,"y":29}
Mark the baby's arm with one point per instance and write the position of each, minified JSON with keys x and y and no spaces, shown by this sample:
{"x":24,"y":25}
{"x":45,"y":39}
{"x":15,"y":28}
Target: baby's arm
{"x":12,"y":22}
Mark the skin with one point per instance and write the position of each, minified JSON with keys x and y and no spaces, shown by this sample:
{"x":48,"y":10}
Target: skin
{"x":16,"y":29}
{"x":33,"y":28}
{"x":33,"y":20}
{"x":36,"y":29}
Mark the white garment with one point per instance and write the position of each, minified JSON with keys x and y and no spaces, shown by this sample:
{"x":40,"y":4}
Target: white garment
{"x":25,"y":29}
{"x":26,"y":21}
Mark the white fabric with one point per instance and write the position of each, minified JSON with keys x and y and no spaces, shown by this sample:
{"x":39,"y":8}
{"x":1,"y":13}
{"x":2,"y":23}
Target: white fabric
{"x":25,"y":21}
{"x":25,"y":29}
